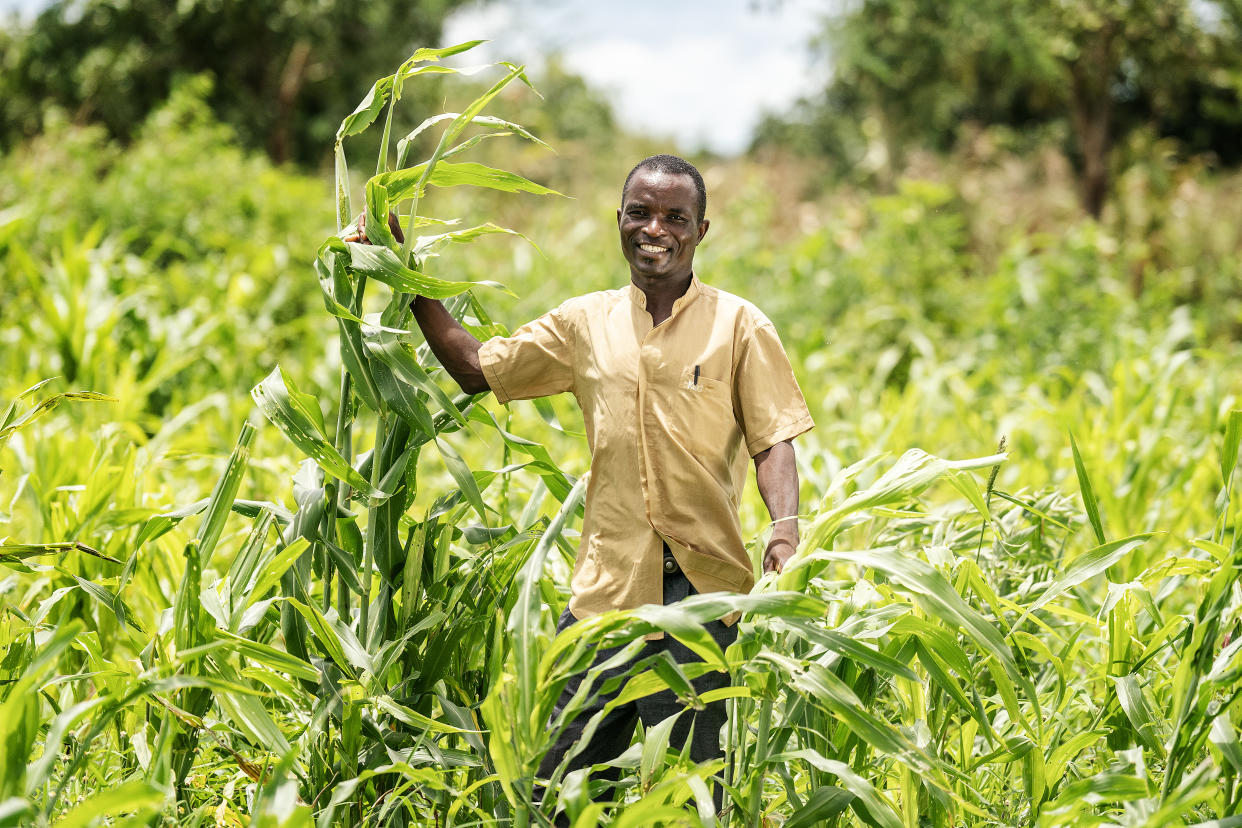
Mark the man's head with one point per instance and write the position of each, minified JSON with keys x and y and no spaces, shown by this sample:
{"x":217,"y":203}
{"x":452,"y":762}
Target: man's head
{"x":661,"y":218}
{"x":672,"y":165}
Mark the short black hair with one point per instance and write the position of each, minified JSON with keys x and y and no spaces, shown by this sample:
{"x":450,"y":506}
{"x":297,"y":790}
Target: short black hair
{"x":672,"y":165}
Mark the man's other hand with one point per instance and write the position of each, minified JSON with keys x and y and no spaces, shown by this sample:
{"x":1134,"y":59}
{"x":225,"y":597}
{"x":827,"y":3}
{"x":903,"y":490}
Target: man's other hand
{"x":358,"y":233}
{"x":776,"y":472}
{"x":780,"y":549}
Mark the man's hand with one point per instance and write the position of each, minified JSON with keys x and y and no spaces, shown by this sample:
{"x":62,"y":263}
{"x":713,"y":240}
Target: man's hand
{"x":780,"y":549}
{"x":777,"y":477}
{"x":359,"y":230}
{"x":452,"y":344}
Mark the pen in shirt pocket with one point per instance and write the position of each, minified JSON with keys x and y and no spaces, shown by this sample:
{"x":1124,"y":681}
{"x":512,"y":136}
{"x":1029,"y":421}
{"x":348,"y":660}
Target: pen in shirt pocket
{"x":696,"y":376}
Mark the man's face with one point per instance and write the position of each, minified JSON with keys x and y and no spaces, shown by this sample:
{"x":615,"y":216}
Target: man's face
{"x":659,"y":226}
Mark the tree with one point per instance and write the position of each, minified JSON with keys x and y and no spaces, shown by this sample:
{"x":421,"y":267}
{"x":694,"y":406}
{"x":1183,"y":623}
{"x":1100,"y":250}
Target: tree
{"x":284,"y":71}
{"x":920,"y":69}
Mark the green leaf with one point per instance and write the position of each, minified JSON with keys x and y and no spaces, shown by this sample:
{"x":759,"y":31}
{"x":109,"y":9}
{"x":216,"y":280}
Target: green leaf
{"x":403,"y":184}
{"x":464,"y":478}
{"x":270,"y":657}
{"x":558,"y":482}
{"x":13,"y":812}
{"x":106,"y":599}
{"x":1233,"y":439}
{"x":502,"y":126}
{"x":965,"y":483}
{"x":386,"y":347}
{"x":822,"y":687}
{"x":383,"y":265}
{"x":19,"y":712}
{"x":523,"y":621}
{"x":820,"y":807}
{"x":1088,"y":493}
{"x":1030,"y":507}
{"x":402,"y":399}
{"x":135,"y":796}
{"x":13,"y":424}
{"x":248,"y":714}
{"x":429,"y":244}
{"x":843,"y":644}
{"x":938,"y":597}
{"x":224,"y":493}
{"x":1147,"y":728}
{"x":373,"y":104}
{"x":655,"y":746}
{"x":21,"y":551}
{"x":412,"y":717}
{"x":270,"y":575}
{"x":377,"y":229}
{"x":338,"y":640}
{"x":913,"y":472}
{"x":1086,"y":566}
{"x":868,"y":804}
{"x":290,"y":411}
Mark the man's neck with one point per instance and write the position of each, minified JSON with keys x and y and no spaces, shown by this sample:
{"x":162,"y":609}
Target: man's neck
{"x":661,"y":294}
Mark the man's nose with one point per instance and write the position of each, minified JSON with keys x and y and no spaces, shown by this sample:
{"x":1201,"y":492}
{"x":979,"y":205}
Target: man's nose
{"x":654,"y":227}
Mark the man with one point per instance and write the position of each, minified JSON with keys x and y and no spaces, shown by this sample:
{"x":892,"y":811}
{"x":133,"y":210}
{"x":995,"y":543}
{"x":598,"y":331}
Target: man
{"x":675,"y":379}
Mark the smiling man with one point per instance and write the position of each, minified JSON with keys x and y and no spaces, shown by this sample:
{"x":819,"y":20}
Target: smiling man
{"x":679,"y":384}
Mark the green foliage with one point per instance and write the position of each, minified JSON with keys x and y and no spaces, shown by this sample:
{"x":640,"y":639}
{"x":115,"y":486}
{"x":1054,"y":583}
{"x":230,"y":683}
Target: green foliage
{"x":283,"y":71}
{"x":118,"y":261}
{"x":1044,"y":635}
{"x":918,"y":74}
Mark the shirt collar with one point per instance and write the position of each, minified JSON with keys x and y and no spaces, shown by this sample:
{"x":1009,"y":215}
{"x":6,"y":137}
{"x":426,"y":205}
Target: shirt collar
{"x":639,"y":298}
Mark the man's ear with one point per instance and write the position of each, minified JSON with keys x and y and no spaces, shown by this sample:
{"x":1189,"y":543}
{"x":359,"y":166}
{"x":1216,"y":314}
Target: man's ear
{"x":703,"y":225}
{"x":618,"y":217}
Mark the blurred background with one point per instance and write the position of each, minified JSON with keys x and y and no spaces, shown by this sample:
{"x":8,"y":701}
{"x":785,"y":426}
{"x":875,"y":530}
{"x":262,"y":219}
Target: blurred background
{"x":968,"y":219}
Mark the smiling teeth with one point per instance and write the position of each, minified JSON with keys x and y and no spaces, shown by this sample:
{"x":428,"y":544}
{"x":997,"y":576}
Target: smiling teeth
{"x":651,"y":248}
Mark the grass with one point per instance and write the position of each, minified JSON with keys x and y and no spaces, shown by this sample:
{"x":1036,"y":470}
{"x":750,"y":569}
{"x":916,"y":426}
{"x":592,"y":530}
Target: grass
{"x":1044,"y":635}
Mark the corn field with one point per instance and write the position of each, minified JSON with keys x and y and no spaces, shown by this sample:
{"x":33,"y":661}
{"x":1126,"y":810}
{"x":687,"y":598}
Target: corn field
{"x":1016,"y":601}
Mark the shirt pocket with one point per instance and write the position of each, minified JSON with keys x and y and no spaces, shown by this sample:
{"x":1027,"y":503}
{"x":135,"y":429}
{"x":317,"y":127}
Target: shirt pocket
{"x":705,"y":415}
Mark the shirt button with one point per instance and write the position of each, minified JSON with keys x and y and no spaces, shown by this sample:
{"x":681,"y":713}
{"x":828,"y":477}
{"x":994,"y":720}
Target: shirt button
{"x":670,"y":565}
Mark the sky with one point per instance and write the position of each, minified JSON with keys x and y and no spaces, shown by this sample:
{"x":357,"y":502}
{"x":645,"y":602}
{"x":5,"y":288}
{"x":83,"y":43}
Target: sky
{"x":698,"y":72}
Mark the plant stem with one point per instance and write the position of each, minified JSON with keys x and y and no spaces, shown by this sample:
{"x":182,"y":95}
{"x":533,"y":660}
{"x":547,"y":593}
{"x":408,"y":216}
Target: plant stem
{"x":372,"y":537}
{"x":761,"y":757}
{"x":340,"y":490}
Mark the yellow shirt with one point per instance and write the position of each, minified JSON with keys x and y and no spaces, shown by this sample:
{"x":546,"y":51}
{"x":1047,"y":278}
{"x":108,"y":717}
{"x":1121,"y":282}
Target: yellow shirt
{"x":668,"y":411}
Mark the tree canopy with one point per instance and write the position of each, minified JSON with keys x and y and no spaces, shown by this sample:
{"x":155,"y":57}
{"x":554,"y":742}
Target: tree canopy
{"x":915,"y":72}
{"x":283,"y":70}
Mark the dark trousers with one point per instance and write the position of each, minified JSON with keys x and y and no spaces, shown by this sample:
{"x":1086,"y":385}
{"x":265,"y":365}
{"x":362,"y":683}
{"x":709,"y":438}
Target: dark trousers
{"x":614,"y":733}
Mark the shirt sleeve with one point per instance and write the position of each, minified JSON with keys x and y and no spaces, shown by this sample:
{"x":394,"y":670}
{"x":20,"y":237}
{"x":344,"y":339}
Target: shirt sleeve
{"x":535,"y":361}
{"x":769,"y":404}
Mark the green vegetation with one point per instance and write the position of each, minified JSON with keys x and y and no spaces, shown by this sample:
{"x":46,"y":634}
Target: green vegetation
{"x":283,"y":72}
{"x":337,"y":606}
{"x":909,"y":74}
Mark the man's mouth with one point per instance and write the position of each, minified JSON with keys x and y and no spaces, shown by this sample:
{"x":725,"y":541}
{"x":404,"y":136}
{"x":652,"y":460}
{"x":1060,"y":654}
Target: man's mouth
{"x":652,"y":248}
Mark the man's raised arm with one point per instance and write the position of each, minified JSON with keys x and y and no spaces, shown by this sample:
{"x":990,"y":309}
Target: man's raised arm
{"x":453,"y":345}
{"x":777,"y":477}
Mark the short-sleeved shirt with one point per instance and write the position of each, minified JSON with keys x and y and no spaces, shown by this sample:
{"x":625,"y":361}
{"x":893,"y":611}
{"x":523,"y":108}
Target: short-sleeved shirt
{"x":672,"y":413}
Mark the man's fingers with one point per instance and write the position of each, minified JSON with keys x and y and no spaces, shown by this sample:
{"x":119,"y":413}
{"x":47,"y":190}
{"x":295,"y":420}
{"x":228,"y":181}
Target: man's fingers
{"x":360,"y":230}
{"x":774,"y":560}
{"x":395,"y":226}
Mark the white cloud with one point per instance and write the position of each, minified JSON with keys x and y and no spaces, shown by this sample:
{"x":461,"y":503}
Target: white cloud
{"x":698,"y":73}
{"x":702,"y":90}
